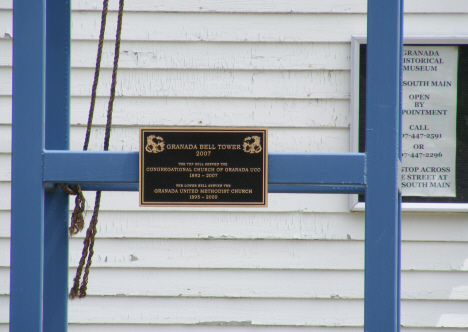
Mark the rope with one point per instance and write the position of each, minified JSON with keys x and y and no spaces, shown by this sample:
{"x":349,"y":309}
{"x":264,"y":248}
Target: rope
{"x":88,"y":243}
{"x":77,"y":220}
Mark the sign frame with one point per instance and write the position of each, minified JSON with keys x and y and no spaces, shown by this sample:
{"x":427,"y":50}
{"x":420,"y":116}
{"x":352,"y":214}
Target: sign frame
{"x":356,"y":41}
{"x":149,"y":147}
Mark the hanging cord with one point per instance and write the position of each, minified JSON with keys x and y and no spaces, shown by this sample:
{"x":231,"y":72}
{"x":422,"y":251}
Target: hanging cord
{"x":77,"y":220}
{"x":88,"y":243}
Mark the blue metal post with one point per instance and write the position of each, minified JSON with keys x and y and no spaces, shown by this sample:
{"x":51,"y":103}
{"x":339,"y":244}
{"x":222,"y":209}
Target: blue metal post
{"x":383,"y":108}
{"x":57,"y":126}
{"x":27,"y":194}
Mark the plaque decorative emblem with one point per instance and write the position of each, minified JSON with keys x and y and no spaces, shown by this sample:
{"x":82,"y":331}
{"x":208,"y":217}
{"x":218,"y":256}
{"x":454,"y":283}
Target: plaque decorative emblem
{"x":252,"y":144}
{"x":152,"y":146}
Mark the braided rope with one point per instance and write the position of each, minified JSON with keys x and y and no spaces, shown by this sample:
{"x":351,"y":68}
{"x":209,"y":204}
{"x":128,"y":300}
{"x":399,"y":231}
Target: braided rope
{"x":88,"y":243}
{"x":96,"y":73}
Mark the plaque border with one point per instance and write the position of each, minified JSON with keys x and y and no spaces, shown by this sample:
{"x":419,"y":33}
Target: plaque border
{"x":264,"y":203}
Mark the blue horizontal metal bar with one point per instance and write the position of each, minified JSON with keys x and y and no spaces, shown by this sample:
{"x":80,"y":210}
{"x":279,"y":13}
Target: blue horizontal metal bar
{"x":272,"y":188}
{"x":316,"y":168}
{"x":316,"y":188}
{"x":345,"y":171}
{"x":90,"y":167}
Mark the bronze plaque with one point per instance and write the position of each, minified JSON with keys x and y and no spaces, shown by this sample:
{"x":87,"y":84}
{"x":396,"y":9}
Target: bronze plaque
{"x":203,"y":167}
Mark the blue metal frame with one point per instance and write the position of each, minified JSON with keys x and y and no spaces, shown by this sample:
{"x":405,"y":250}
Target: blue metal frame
{"x":383,"y":201}
{"x":57,"y":124}
{"x":40,"y":158}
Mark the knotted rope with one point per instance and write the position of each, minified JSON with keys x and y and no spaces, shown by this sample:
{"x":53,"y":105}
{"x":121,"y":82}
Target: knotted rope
{"x":77,"y":221}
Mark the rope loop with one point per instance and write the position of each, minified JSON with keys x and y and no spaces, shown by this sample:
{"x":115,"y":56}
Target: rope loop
{"x":77,"y":220}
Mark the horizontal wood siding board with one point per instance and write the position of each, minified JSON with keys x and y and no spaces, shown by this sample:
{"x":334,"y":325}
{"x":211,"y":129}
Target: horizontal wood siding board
{"x":227,"y":328}
{"x":128,"y":201}
{"x":317,"y":113}
{"x":205,"y":55}
{"x":248,"y":112}
{"x":6,"y":51}
{"x":204,"y":328}
{"x":259,"y":6}
{"x":300,"y":140}
{"x":255,"y":254}
{"x":214,"y":55}
{"x":259,"y":225}
{"x":207,"y":84}
{"x":5,"y":167}
{"x":216,"y":311}
{"x":252,"y":225}
{"x":255,"y":283}
{"x":285,"y":312}
{"x":240,"y":27}
{"x":440,"y":285}
{"x":214,"y":83}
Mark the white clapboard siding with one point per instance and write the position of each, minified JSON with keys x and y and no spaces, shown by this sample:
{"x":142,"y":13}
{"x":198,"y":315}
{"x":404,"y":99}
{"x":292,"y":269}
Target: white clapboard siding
{"x":243,"y":254}
{"x":207,"y":111}
{"x":260,"y":311}
{"x":6,"y":51}
{"x":251,"y":225}
{"x":216,"y":310}
{"x":177,"y":55}
{"x":254,"y":225}
{"x":213,"y":327}
{"x":225,"y":225}
{"x":266,"y":283}
{"x":228,"y":27}
{"x":5,"y":138}
{"x":261,"y":6}
{"x":257,"y":254}
{"x":5,"y":166}
{"x":216,"y":112}
{"x":213,"y":55}
{"x":225,"y":327}
{"x":215,"y":83}
{"x":231,"y":27}
{"x":279,"y":140}
{"x":5,"y":190}
{"x":5,"y":80}
{"x":128,"y":201}
{"x":4,"y":223}
{"x":259,"y":283}
{"x":312,"y":203}
{"x":265,"y":254}
{"x":240,"y":27}
{"x":6,"y":24}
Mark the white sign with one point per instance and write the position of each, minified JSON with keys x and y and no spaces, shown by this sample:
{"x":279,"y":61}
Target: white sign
{"x":429,"y":107}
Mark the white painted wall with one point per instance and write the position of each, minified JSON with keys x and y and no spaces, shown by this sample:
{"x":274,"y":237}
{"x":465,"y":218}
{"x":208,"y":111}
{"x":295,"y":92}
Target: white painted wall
{"x":294,"y":266}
